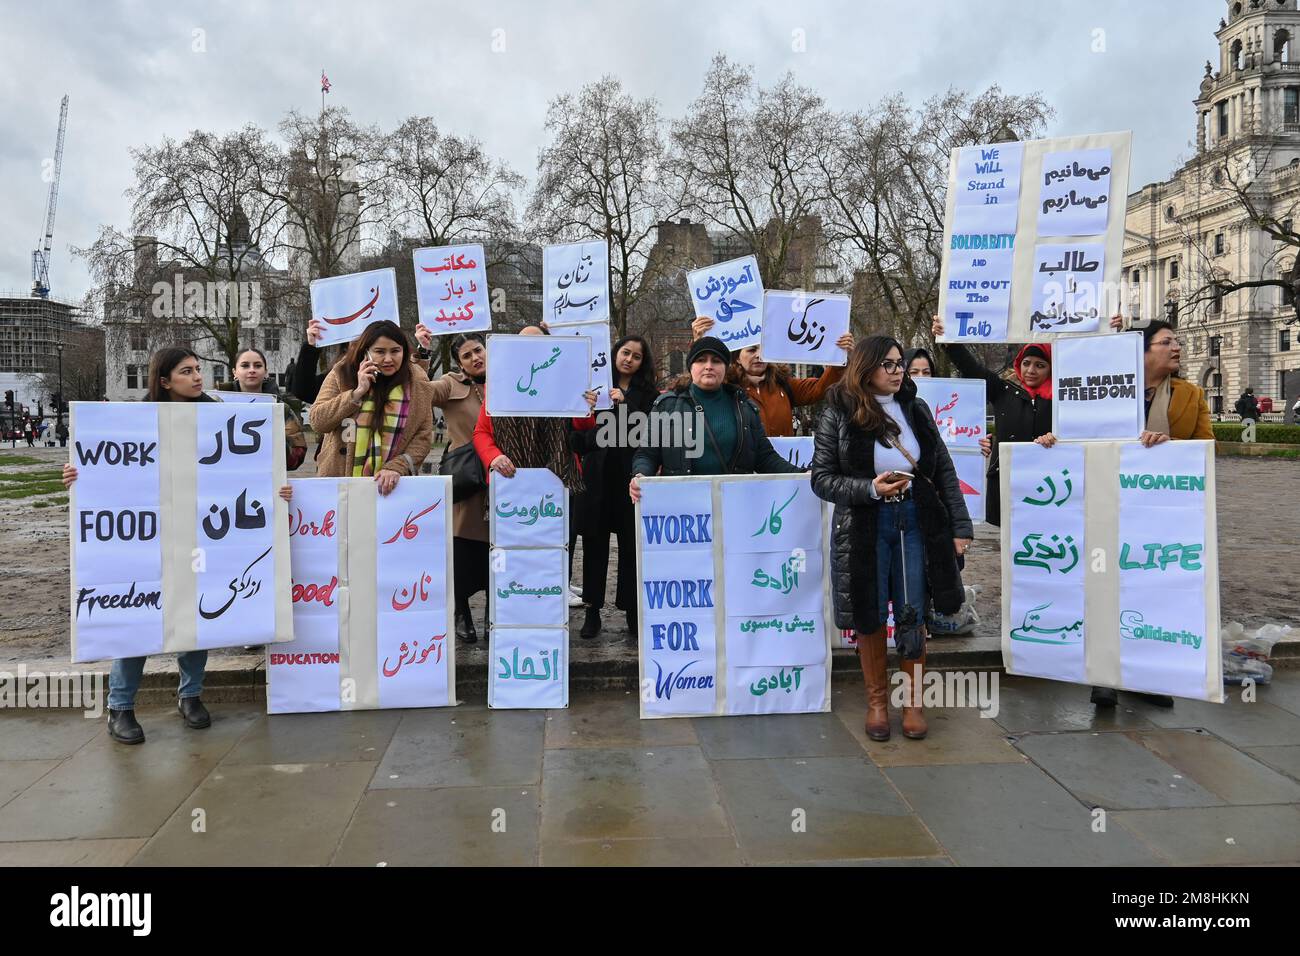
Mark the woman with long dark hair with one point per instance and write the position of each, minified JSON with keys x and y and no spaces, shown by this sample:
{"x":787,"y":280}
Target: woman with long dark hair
{"x":175,"y":375}
{"x":459,"y":394}
{"x":250,"y":375}
{"x":900,"y":520}
{"x":605,"y":508}
{"x":374,"y":411}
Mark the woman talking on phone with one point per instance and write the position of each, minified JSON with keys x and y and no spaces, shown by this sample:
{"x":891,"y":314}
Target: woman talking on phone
{"x":900,"y":520}
{"x":374,"y":411}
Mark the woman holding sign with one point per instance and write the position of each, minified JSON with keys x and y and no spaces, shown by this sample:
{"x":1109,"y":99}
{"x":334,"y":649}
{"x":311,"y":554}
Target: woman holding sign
{"x":250,"y":376}
{"x":1022,"y":410}
{"x":374,"y":411}
{"x":900,"y":520}
{"x":175,"y":375}
{"x":771,"y":388}
{"x":605,"y":508}
{"x":459,"y":394}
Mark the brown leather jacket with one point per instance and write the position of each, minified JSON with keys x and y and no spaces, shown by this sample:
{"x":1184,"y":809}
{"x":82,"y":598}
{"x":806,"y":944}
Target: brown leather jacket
{"x":333,"y":415}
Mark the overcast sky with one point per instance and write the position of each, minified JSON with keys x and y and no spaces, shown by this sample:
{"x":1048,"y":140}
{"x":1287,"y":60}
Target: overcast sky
{"x":138,"y":71}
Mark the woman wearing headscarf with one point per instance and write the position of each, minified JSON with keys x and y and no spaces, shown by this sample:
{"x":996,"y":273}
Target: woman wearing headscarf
{"x":1022,"y":410}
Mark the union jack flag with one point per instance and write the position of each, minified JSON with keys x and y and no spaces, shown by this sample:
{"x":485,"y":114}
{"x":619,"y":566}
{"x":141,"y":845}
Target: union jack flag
{"x":324,"y":82}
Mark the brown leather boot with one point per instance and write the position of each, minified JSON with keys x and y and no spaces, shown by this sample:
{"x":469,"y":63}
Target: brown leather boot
{"x":871,"y":655}
{"x":914,"y":725}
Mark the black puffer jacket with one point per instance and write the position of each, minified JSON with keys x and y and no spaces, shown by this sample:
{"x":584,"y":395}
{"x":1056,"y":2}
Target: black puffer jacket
{"x":754,"y":453}
{"x":844,"y":465}
{"x":606,"y":471}
{"x":1017,"y":416}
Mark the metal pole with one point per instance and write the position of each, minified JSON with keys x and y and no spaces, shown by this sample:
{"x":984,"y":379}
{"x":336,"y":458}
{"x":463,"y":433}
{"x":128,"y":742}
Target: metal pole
{"x":58,"y":427}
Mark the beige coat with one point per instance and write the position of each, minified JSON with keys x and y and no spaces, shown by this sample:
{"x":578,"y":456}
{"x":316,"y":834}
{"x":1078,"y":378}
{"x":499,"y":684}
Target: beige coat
{"x":460,"y":401}
{"x":334,"y":413}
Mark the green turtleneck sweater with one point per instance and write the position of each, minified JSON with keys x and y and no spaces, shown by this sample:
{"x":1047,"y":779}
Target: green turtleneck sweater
{"x":720,"y":412}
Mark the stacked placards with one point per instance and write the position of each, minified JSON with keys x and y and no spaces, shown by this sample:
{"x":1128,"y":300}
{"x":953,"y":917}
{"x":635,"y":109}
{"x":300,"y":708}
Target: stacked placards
{"x":958,"y":408}
{"x":1110,"y":566}
{"x":177,"y":532}
{"x":748,"y":634}
{"x":1033,"y":237}
{"x":371,"y":579}
{"x":528,"y":600}
{"x":575,"y":283}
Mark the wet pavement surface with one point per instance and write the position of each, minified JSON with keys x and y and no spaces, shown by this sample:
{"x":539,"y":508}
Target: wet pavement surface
{"x":594,"y":784}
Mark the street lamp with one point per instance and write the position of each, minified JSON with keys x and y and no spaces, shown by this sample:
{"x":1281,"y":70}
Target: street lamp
{"x":58,"y":427}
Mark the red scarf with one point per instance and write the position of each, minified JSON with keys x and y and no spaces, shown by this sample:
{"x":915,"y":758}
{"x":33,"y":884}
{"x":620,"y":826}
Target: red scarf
{"x":1043,"y":390}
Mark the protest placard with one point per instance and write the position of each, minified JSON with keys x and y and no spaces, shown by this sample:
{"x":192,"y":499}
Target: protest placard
{"x":1110,"y":566}
{"x":372,"y":612}
{"x":575,"y":283}
{"x":804,"y":327}
{"x":177,"y":532}
{"x":730,"y":293}
{"x":345,"y":305}
{"x":451,"y":289}
{"x":1098,"y":387}
{"x":538,"y":375}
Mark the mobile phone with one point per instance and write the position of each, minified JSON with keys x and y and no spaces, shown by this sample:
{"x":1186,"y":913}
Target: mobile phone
{"x":893,"y":476}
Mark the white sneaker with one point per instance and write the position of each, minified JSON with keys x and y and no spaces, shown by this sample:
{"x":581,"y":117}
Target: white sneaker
{"x":575,"y":597}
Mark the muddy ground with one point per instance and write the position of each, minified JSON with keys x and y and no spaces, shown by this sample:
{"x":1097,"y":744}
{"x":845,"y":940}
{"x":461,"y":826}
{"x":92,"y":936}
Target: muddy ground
{"x":1259,"y":563}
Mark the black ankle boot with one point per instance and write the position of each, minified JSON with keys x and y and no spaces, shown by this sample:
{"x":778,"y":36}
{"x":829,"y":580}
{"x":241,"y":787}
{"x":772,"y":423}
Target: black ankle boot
{"x":124,"y":728}
{"x":195,"y":714}
{"x":632,"y":625}
{"x":590,"y":625}
{"x":1105,"y":696}
{"x":465,"y":632}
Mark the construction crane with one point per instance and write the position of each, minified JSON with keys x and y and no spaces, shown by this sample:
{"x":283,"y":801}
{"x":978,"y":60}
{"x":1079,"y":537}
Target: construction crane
{"x":41,"y":255}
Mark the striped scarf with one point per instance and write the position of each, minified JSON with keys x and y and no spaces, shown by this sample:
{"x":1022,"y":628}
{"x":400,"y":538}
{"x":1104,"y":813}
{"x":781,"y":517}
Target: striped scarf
{"x":374,"y":447}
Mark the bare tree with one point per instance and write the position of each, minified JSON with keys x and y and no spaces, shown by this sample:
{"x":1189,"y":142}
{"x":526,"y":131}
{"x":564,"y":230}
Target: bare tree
{"x":884,"y":179}
{"x":745,"y":159}
{"x":600,"y":176}
{"x":198,"y":203}
{"x":445,"y":189}
{"x":83,"y":368}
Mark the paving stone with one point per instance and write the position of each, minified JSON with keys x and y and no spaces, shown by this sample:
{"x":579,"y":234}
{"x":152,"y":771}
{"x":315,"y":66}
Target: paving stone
{"x":17,"y":775}
{"x":318,"y":738}
{"x":107,"y":789}
{"x":1199,"y":836}
{"x":70,"y":852}
{"x":700,"y":851}
{"x":1285,"y":759}
{"x":1114,"y":771}
{"x":613,"y":720}
{"x":1219,"y":768}
{"x":46,"y":734}
{"x":1241,"y":724}
{"x":664,"y":793}
{"x":1282,"y":691}
{"x":464,"y":747}
{"x":1028,"y":704}
{"x":263,"y":815}
{"x":449,"y":827}
{"x":1012,"y":815}
{"x":848,"y":809}
{"x":957,"y":735}
{"x":775,"y":735}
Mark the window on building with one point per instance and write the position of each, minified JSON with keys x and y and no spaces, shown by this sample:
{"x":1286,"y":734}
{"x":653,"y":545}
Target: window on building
{"x":1173,"y":268}
{"x":1215,"y":341}
{"x":1217,"y":381}
{"x":1281,"y":389}
{"x":139,"y":340}
{"x":1284,"y":340}
{"x":1216,"y":404}
{"x":1221,"y":112}
{"x":137,"y":377}
{"x":1288,"y":296}
{"x":1216,"y":303}
{"x":1218,"y":243}
{"x":1291,"y":105}
{"x":271,"y":340}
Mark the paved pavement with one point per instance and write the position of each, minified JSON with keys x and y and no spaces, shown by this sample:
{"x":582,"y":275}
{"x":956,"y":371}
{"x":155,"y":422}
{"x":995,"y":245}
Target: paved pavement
{"x":594,"y":784}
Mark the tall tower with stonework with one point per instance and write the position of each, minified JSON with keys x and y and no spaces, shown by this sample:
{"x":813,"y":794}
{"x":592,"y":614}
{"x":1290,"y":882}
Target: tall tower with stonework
{"x":1256,"y":88}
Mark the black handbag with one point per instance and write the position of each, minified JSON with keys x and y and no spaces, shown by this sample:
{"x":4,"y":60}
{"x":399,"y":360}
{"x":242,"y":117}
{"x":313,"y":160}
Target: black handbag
{"x":466,"y":469}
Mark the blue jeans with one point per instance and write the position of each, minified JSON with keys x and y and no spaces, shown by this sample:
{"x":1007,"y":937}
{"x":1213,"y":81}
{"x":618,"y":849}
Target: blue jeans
{"x":124,"y":678}
{"x":894,"y":553}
